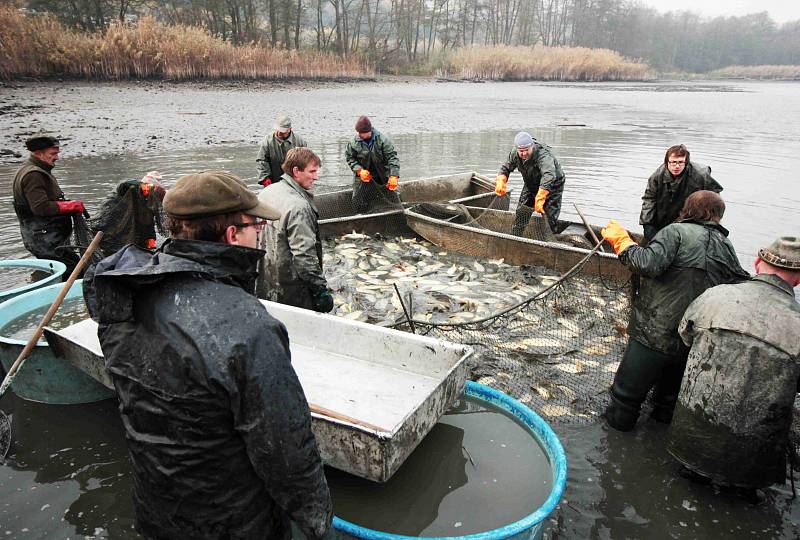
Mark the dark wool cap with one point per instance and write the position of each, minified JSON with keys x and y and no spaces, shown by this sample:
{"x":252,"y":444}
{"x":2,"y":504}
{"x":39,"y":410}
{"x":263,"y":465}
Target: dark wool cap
{"x":363,"y":125}
{"x":783,"y":252}
{"x":41,"y":142}
{"x":213,"y":193}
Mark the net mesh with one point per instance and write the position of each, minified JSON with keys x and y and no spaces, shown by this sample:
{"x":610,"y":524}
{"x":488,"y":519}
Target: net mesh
{"x":129,"y":215}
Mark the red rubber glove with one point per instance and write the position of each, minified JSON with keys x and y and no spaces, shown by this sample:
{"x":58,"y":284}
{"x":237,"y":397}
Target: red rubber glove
{"x":265,"y":181}
{"x":617,"y":236}
{"x":500,"y":182}
{"x":541,"y":197}
{"x":70,"y":207}
{"x":364,"y":175}
{"x":151,"y":243}
{"x":391,"y":185}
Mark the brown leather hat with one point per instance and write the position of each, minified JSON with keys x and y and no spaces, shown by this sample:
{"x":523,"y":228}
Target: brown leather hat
{"x":783,"y":252}
{"x":41,"y":142}
{"x":212,"y":193}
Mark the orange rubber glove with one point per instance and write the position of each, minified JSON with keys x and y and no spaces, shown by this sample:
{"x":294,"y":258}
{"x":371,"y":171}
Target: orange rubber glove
{"x":541,"y":197}
{"x":617,"y":236}
{"x":364,"y":175}
{"x":500,"y":182}
{"x":391,"y":185}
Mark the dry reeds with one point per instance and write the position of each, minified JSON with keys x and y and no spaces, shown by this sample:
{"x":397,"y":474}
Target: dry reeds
{"x":40,"y":46}
{"x":787,"y":72}
{"x":508,"y":63}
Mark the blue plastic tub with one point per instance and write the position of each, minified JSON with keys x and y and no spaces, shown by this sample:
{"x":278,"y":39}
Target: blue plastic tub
{"x":44,"y":377}
{"x":56,"y":269}
{"x":529,"y":527}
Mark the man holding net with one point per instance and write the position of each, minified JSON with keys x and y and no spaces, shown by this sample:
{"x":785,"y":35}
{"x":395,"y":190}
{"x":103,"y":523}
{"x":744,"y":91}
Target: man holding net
{"x":273,"y":150}
{"x":543,"y":178}
{"x":45,"y":216}
{"x":373,"y":159}
{"x":216,"y":423}
{"x":736,"y":402}
{"x":291,"y":272}
{"x":680,"y":263}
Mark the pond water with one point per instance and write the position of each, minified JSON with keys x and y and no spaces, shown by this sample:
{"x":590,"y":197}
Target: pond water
{"x":69,"y":312}
{"x":12,"y":277}
{"x":68,"y":474}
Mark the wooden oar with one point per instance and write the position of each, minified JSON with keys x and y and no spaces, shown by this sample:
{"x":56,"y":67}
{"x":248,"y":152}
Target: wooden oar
{"x":6,"y":440}
{"x":343,"y":417}
{"x":589,"y":227}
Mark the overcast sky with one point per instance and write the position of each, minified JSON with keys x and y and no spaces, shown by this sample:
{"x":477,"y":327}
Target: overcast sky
{"x":780,"y":10}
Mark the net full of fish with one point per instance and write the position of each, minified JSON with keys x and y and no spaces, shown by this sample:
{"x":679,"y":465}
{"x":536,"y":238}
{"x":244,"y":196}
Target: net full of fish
{"x":557,"y":353}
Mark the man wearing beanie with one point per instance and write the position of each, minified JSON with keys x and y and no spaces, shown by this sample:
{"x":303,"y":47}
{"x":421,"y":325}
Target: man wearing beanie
{"x":543,"y":178}
{"x":217,"y":426}
{"x":372,"y":158}
{"x":734,"y":411}
{"x":274,"y":148}
{"x":45,"y":216}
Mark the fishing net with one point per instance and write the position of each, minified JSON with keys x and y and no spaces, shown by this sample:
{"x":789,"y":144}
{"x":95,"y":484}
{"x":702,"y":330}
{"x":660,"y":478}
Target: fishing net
{"x":130,"y":215}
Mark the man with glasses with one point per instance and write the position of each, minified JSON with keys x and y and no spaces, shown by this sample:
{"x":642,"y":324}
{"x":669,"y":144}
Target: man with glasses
{"x":292,"y":269}
{"x":273,"y":150}
{"x":544,"y":182}
{"x":668,"y":188}
{"x":217,"y":425}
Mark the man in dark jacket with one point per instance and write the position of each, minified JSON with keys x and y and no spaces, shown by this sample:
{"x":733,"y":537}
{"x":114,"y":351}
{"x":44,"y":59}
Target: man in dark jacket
{"x":678,"y":265}
{"x":372,"y":158}
{"x":668,"y":188}
{"x":543,"y":177}
{"x":292,"y":269}
{"x":45,"y":216}
{"x":218,"y":428}
{"x":273,"y":150}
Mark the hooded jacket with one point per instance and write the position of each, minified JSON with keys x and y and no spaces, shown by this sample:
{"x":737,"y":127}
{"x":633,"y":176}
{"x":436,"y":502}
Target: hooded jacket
{"x":678,"y":265}
{"x":377,"y":155}
{"x":664,"y":196}
{"x":218,"y":428}
{"x":292,"y":269}
{"x":272,"y":153}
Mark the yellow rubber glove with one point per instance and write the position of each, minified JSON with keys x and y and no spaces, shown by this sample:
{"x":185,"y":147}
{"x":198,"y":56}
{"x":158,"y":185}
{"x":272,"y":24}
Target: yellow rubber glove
{"x":391,"y":185}
{"x":541,"y":197}
{"x":617,"y":236}
{"x":364,"y":175}
{"x":500,"y":182}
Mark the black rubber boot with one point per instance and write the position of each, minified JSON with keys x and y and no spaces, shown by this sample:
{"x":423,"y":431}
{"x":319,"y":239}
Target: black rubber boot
{"x":620,"y":416}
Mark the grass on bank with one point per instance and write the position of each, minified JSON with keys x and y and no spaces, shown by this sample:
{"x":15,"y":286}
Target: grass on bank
{"x":787,"y":72}
{"x":40,"y":46}
{"x":506,"y":63}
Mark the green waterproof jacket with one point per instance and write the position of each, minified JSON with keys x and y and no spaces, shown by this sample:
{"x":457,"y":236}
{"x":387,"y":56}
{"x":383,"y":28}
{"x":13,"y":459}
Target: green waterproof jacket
{"x":542,"y":169}
{"x":678,"y":265}
{"x":291,"y":272}
{"x":272,"y":153}
{"x":664,"y":197}
{"x":377,"y":155}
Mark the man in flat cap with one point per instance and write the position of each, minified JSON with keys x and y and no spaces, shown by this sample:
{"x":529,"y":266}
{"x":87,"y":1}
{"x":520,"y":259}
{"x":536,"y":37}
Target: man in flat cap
{"x":217,"y":425}
{"x":45,"y":216}
{"x":274,"y":148}
{"x":543,"y":182}
{"x":372,"y":158}
{"x":734,"y":411}
{"x":292,"y":269}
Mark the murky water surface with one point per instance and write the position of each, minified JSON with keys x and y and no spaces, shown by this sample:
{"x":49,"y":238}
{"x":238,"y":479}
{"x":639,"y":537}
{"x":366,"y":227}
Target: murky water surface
{"x":482,"y":470}
{"x":12,"y":277}
{"x":22,"y":328}
{"x":68,"y":474}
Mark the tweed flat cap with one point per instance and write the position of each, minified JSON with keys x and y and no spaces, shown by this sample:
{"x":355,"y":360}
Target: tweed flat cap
{"x":41,"y":142}
{"x":783,"y":252}
{"x":212,"y":193}
{"x":283,"y":123}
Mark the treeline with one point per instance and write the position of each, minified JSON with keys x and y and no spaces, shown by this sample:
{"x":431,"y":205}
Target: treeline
{"x":391,"y":34}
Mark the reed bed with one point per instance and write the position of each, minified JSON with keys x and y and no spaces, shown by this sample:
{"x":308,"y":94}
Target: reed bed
{"x":42,"y":47}
{"x":507,"y":63}
{"x":787,"y":72}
